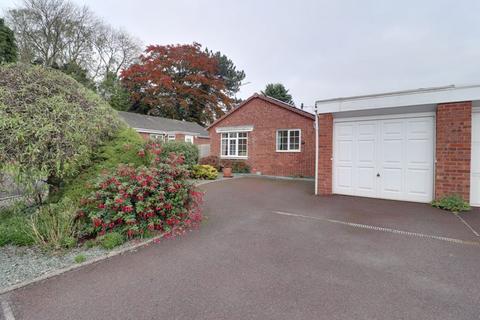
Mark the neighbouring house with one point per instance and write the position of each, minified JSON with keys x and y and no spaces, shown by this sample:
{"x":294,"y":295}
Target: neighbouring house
{"x":415,"y":145}
{"x":164,"y":129}
{"x":272,"y":137}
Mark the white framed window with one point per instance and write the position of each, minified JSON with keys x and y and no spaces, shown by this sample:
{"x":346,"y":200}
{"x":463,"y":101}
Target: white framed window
{"x":188,"y":139}
{"x":160,"y":137}
{"x":234,"y":145}
{"x":171,"y":137}
{"x":289,"y":140}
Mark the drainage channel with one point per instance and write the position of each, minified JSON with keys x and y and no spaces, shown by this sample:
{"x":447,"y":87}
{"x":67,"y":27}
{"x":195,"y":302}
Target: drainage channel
{"x":381,"y":229}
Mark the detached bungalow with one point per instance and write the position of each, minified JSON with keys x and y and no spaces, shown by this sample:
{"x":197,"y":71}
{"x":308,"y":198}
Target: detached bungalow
{"x":273,"y":137}
{"x":414,"y":145}
{"x":165,"y":129}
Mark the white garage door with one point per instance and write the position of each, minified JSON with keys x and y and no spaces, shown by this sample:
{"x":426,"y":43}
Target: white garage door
{"x":475,"y":172}
{"x":389,"y":159}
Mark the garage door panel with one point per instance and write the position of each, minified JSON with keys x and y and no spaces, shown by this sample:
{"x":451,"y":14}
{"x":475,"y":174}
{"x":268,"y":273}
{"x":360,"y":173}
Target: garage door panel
{"x":392,"y":151}
{"x":419,"y":152}
{"x":417,"y":182}
{"x":419,"y":128}
{"x":366,"y":152}
{"x":366,"y":179}
{"x":345,"y":151}
{"x":344,"y":177}
{"x":400,"y":151}
{"x":392,"y":181}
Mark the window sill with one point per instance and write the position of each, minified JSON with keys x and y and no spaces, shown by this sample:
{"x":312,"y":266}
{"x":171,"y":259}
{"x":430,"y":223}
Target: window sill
{"x":233,"y":157}
{"x":288,"y":151}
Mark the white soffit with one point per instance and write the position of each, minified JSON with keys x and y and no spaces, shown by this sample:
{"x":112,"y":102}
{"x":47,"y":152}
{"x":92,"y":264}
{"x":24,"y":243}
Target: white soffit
{"x":245,"y":128}
{"x":423,"y":96}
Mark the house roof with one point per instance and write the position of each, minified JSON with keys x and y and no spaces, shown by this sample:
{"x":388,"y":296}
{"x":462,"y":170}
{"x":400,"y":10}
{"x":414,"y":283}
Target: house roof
{"x":152,"y":124}
{"x":271,"y":100}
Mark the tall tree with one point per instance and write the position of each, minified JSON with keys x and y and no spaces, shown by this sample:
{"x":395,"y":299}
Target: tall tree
{"x":59,"y":32}
{"x":78,"y":73}
{"x":8,"y":47}
{"x":279,"y":92}
{"x":228,"y":71}
{"x":113,"y":91}
{"x":179,"y":82}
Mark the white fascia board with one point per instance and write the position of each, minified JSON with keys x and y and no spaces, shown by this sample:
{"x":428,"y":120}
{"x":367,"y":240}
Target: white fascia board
{"x":142,"y":130}
{"x":187,"y":133}
{"x":169,"y":132}
{"x":234,"y":129}
{"x":400,"y":99}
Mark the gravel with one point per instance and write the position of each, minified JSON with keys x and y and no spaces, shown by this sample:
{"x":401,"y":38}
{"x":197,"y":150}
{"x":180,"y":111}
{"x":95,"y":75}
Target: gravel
{"x":19,"y":264}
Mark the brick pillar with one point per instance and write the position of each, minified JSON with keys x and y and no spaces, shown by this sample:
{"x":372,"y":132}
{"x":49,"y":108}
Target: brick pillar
{"x":325,"y":153}
{"x":453,"y":148}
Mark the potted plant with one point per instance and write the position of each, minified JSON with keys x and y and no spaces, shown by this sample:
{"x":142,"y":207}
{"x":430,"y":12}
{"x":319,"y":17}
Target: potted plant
{"x":227,"y":169}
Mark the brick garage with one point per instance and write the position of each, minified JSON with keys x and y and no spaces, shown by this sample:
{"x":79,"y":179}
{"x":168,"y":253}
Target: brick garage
{"x":265,"y":116}
{"x":450,"y":110}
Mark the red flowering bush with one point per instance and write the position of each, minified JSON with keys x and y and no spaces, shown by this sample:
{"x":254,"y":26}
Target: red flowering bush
{"x":213,"y":161}
{"x":134,"y":201}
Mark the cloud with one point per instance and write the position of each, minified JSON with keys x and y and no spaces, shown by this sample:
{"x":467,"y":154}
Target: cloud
{"x":319,"y":49}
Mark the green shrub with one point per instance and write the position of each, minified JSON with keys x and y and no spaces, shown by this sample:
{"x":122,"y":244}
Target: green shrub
{"x":203,"y":171}
{"x":238,"y":166}
{"x":49,"y":124}
{"x":111,"y":240}
{"x":80,"y":258}
{"x":213,"y":161}
{"x":122,"y":149}
{"x":14,"y":227}
{"x":453,"y":203}
{"x":188,"y":150}
{"x":90,"y":243}
{"x":54,"y":226}
{"x":68,"y":242}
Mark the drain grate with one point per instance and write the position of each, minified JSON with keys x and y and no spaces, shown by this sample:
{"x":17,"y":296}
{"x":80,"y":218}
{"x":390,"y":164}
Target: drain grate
{"x":382,"y":229}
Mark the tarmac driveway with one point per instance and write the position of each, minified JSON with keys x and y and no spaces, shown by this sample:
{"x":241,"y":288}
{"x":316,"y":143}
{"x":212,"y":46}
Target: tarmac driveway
{"x":271,"y":250}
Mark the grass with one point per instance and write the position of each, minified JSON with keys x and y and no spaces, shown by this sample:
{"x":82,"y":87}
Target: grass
{"x":15,"y":228}
{"x":111,"y":240}
{"x":80,"y":258}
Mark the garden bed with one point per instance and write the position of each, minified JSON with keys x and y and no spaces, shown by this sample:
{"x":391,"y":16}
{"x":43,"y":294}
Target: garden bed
{"x":23,"y":264}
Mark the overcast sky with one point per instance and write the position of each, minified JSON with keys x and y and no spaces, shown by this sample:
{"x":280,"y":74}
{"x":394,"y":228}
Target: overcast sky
{"x":318,"y":49}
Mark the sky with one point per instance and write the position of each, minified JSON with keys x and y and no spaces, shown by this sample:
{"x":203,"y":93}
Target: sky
{"x":317,"y":49}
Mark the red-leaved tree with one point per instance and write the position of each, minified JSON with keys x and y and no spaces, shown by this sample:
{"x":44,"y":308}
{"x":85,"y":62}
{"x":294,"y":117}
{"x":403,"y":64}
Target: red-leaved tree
{"x":178,"y":82}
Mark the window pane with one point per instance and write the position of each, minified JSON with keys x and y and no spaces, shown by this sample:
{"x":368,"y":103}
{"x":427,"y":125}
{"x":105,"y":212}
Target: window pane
{"x":224,"y":135}
{"x":242,"y":147}
{"x":282,"y":140}
{"x":233,"y":148}
{"x":242,"y":134}
{"x":295,"y":140}
{"x":224,"y":147}
{"x":233,"y":134}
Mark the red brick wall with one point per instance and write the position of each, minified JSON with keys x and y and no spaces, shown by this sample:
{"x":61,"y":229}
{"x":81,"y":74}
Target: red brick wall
{"x":453,"y":149}
{"x":199,"y":140}
{"x":325,"y":153}
{"x":262,"y":157}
